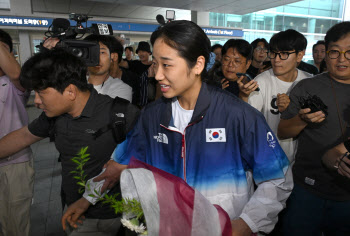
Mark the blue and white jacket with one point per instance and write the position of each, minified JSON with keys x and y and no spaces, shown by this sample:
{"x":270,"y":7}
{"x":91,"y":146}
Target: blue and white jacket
{"x":226,"y":146}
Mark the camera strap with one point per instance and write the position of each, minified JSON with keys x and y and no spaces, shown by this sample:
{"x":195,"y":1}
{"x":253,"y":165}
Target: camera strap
{"x":118,"y":120}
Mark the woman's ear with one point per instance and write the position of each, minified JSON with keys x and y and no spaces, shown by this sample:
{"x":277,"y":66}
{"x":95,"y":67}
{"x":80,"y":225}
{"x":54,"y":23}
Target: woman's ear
{"x":200,"y":65}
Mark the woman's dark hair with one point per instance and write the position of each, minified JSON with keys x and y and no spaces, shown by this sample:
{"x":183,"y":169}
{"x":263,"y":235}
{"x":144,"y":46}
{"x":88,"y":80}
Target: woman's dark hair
{"x":259,"y":40}
{"x":242,"y":46}
{"x":187,"y":38}
{"x":54,"y":68}
{"x":288,"y":40}
{"x":337,"y":32}
{"x":6,"y":38}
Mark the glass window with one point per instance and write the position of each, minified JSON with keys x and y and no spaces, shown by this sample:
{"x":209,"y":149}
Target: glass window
{"x":308,"y":18}
{"x":36,"y":44}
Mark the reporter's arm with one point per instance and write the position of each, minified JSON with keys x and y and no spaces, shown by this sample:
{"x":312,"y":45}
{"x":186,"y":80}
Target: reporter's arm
{"x":292,"y":127}
{"x":74,"y":213}
{"x":10,"y":66}
{"x":246,"y":89}
{"x":16,"y":141}
{"x":50,"y":43}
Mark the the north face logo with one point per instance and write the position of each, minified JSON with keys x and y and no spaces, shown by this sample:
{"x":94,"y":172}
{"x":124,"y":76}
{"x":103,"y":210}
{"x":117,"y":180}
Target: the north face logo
{"x":161,"y":138}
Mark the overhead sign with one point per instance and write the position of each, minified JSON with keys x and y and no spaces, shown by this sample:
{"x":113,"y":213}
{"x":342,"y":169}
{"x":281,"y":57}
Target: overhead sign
{"x":22,"y":21}
{"x":120,"y":26}
{"x":223,"y":32}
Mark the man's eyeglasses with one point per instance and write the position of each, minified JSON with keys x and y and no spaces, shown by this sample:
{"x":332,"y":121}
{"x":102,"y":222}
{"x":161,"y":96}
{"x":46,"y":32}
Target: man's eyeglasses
{"x":260,"y":49}
{"x":282,"y":55}
{"x":334,"y":54}
{"x":226,"y":61}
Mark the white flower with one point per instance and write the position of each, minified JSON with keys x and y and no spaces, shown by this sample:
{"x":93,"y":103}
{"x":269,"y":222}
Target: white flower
{"x":133,"y":227}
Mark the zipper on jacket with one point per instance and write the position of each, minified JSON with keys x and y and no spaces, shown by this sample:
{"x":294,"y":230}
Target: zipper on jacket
{"x":183,"y":145}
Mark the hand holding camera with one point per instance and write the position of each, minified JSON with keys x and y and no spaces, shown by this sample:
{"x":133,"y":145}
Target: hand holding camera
{"x":313,"y":110}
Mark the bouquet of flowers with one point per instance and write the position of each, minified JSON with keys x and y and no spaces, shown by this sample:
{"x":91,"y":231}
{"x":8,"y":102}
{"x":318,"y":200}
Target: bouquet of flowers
{"x":158,"y":203}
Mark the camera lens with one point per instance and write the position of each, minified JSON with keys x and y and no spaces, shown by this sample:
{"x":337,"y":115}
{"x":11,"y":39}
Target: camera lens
{"x":79,"y":52}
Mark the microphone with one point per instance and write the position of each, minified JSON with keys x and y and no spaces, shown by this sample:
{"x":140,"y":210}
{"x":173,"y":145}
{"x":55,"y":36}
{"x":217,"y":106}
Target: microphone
{"x":160,"y":19}
{"x":60,"y":25}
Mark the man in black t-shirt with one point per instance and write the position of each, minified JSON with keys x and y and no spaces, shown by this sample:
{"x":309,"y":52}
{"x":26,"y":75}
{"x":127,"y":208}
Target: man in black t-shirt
{"x":129,"y":53}
{"x":320,"y":201}
{"x":72,"y":113}
{"x":139,"y":66}
{"x":142,"y":85}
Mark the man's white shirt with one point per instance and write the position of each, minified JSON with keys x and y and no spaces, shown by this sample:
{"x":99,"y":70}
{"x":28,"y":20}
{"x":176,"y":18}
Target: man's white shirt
{"x":265,"y":102}
{"x":115,"y":88}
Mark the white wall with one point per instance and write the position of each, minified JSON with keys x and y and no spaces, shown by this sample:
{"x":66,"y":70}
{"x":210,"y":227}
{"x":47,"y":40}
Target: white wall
{"x":24,"y":46}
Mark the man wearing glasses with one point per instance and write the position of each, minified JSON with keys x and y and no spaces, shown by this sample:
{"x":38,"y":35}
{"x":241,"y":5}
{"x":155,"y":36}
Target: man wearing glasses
{"x":286,"y":51}
{"x":260,"y":49}
{"x":320,"y":201}
{"x":236,"y":58}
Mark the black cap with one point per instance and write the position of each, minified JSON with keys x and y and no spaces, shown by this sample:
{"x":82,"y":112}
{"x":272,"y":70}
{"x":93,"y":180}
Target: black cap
{"x":143,"y":46}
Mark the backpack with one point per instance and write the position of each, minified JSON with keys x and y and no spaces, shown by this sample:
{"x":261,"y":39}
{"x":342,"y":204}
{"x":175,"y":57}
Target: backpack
{"x":123,"y":117}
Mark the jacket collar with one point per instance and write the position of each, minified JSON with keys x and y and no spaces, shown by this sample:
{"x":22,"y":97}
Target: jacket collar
{"x":202,"y":105}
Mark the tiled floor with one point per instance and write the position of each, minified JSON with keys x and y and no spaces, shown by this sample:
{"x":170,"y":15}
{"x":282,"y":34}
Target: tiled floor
{"x":46,"y":210}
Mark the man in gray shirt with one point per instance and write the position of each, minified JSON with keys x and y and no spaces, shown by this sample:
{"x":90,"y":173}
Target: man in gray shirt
{"x":320,"y":201}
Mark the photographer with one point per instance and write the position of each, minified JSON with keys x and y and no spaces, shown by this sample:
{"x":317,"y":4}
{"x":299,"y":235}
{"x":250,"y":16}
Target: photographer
{"x":320,"y":202}
{"x":99,"y":75}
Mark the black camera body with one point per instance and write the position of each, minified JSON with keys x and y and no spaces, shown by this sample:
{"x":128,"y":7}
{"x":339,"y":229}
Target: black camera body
{"x":314,"y":103}
{"x":69,"y":40}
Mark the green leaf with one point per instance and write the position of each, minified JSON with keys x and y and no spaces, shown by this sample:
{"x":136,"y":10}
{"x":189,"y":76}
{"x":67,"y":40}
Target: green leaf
{"x":76,"y":162}
{"x":81,"y":184}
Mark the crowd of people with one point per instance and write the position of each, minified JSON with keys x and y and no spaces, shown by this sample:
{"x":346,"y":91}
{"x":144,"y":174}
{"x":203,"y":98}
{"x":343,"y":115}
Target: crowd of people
{"x":261,"y":134}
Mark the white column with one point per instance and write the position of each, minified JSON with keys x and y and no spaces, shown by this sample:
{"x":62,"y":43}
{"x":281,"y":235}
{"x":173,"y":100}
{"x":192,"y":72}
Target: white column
{"x":203,"y":18}
{"x":24,"y":46}
{"x":200,"y":18}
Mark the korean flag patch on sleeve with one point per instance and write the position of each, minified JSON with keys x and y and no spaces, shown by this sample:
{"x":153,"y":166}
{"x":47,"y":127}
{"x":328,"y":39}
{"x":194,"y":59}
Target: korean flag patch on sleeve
{"x":215,"y":135}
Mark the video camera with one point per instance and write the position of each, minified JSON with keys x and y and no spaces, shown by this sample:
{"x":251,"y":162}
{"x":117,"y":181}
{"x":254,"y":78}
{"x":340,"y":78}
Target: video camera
{"x":69,"y":40}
